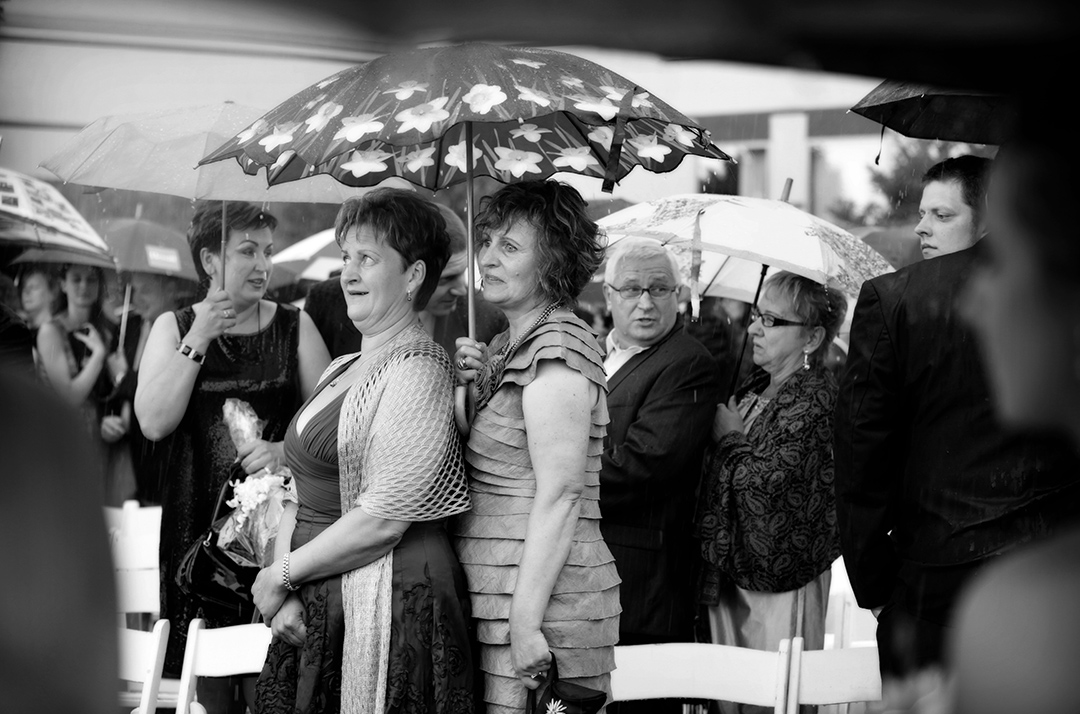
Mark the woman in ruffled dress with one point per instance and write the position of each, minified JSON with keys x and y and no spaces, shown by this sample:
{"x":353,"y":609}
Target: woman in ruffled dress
{"x":365,"y":597}
{"x":541,"y":577}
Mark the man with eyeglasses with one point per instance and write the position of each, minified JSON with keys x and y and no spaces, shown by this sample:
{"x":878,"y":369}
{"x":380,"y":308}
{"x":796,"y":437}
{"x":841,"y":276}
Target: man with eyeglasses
{"x":929,"y":487}
{"x":662,"y":395}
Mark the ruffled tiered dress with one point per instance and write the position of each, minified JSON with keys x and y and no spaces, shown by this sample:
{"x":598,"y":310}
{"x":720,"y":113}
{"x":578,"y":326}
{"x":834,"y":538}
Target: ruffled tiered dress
{"x":581,"y":622}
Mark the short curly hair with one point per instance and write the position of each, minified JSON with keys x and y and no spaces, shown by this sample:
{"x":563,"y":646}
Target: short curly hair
{"x":815,"y":304}
{"x":570,"y":246}
{"x":407,"y":222}
{"x":205,"y":228}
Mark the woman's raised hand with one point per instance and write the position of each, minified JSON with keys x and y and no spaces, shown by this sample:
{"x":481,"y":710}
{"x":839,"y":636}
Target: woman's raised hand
{"x":470,"y":357}
{"x":259,"y":454}
{"x":213,"y":316}
{"x":727,"y":419}
{"x":89,"y":336}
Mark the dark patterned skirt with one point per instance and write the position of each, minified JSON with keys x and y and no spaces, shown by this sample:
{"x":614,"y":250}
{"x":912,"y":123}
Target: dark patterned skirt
{"x":431,"y":665}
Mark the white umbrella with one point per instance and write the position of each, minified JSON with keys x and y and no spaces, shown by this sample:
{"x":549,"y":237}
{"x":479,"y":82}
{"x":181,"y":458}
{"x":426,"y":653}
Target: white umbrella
{"x":34,"y":214}
{"x":732,"y":237}
{"x":313,"y":258}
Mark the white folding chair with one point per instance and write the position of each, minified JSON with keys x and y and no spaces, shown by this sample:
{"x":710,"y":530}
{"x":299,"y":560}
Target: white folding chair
{"x":220,"y":652}
{"x":701,"y":671}
{"x":832,"y":676}
{"x":142,"y":655}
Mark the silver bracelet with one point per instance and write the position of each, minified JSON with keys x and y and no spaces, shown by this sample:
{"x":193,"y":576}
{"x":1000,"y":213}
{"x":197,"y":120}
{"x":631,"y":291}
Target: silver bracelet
{"x":285,"y":574}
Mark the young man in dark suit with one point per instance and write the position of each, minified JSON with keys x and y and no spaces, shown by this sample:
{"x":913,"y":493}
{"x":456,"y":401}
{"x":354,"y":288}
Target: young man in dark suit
{"x":662,"y":396}
{"x":929,"y":486}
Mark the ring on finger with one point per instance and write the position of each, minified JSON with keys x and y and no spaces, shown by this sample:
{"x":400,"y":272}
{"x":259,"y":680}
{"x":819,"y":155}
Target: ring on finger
{"x":536,"y":676}
{"x":461,"y":364}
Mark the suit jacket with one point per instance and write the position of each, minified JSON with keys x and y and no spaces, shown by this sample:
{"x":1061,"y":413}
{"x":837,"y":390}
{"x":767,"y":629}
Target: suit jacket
{"x":928,"y":483}
{"x":661,"y":405}
{"x":326,"y":306}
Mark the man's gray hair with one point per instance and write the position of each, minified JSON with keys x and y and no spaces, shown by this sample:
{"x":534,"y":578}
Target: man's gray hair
{"x":639,"y":248}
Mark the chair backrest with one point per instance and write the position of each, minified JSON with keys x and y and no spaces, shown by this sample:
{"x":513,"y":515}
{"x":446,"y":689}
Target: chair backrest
{"x":142,"y":656}
{"x":135,"y":545}
{"x":220,"y":652}
{"x":838,"y":620}
{"x":832,"y":676}
{"x":701,"y":671}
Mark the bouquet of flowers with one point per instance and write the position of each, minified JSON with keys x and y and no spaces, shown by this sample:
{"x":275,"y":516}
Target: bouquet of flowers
{"x":247,"y":534}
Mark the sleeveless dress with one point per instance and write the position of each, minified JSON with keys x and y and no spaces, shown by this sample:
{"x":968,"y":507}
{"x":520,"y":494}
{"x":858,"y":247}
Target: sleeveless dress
{"x":581,"y":622}
{"x":263,"y":370}
{"x":422,"y":662}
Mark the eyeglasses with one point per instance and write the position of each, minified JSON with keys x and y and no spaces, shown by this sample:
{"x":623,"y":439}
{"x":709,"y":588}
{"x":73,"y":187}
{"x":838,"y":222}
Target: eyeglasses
{"x":773,"y":321}
{"x":633,"y":292}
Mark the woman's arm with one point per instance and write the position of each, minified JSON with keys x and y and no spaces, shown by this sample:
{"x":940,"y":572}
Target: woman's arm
{"x":353,"y":541}
{"x":313,"y":355}
{"x":166,"y":379}
{"x":557,"y":406}
{"x":53,"y":355}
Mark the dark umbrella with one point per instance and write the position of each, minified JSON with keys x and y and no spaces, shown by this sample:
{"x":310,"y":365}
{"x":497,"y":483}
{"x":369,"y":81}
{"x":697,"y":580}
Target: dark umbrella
{"x":441,"y":116}
{"x":922,"y":111}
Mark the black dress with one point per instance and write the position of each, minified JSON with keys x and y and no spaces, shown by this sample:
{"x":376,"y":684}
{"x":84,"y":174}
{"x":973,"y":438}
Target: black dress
{"x":261,"y":369}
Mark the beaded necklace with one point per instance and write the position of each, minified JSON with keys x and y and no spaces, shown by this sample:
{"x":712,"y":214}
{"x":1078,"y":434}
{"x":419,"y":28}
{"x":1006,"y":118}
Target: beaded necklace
{"x":491,"y":376}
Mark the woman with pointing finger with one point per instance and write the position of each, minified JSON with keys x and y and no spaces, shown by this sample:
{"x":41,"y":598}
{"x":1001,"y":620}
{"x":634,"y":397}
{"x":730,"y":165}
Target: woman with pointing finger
{"x":233,"y":343}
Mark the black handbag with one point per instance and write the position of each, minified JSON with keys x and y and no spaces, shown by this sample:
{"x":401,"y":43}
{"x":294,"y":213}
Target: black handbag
{"x":563,"y":697}
{"x":206,"y":573}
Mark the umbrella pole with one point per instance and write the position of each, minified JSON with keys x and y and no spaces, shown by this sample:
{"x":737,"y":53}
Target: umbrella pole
{"x":462,"y":408}
{"x":124,"y":317}
{"x":224,"y":240}
{"x":742,"y":350}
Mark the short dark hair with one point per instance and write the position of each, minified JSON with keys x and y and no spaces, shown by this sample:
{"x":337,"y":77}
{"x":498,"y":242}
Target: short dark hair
{"x":205,"y":228}
{"x":971,"y":172}
{"x":815,"y":304}
{"x":408,"y":223}
{"x":570,"y":246}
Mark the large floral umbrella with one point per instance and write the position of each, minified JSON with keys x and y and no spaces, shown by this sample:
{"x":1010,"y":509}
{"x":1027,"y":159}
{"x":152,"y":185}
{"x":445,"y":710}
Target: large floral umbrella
{"x":437,"y":116}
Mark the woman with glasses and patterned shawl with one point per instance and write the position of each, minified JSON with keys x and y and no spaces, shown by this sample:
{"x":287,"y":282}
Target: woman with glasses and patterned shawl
{"x":766,"y":512}
{"x":366,"y":598}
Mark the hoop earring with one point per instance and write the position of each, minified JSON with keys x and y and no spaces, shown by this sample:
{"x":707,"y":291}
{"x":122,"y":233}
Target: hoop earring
{"x":806,"y":361}
{"x":408,"y":295}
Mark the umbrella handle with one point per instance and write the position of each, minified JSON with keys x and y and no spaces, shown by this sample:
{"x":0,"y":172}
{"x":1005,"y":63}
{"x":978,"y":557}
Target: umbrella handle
{"x":462,"y":409}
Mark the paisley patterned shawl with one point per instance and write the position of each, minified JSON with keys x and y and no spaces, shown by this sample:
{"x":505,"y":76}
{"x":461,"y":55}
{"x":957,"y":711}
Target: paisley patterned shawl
{"x":767,"y":512}
{"x":400,"y":459}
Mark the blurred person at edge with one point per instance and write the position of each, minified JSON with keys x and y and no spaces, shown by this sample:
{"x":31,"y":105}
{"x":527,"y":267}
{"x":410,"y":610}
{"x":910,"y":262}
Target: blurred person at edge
{"x":39,"y":295}
{"x":542,"y":579}
{"x":78,"y":356}
{"x":771,"y":463}
{"x":662,"y":395}
{"x":445,"y":318}
{"x":151,"y":296}
{"x":232,"y":343}
{"x":58,"y":644}
{"x":930,"y":486}
{"x":1015,"y":644}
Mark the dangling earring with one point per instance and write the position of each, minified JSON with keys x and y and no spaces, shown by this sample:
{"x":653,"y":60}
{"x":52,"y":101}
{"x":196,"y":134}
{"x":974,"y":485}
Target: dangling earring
{"x":408,"y":294}
{"x":806,"y":361}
